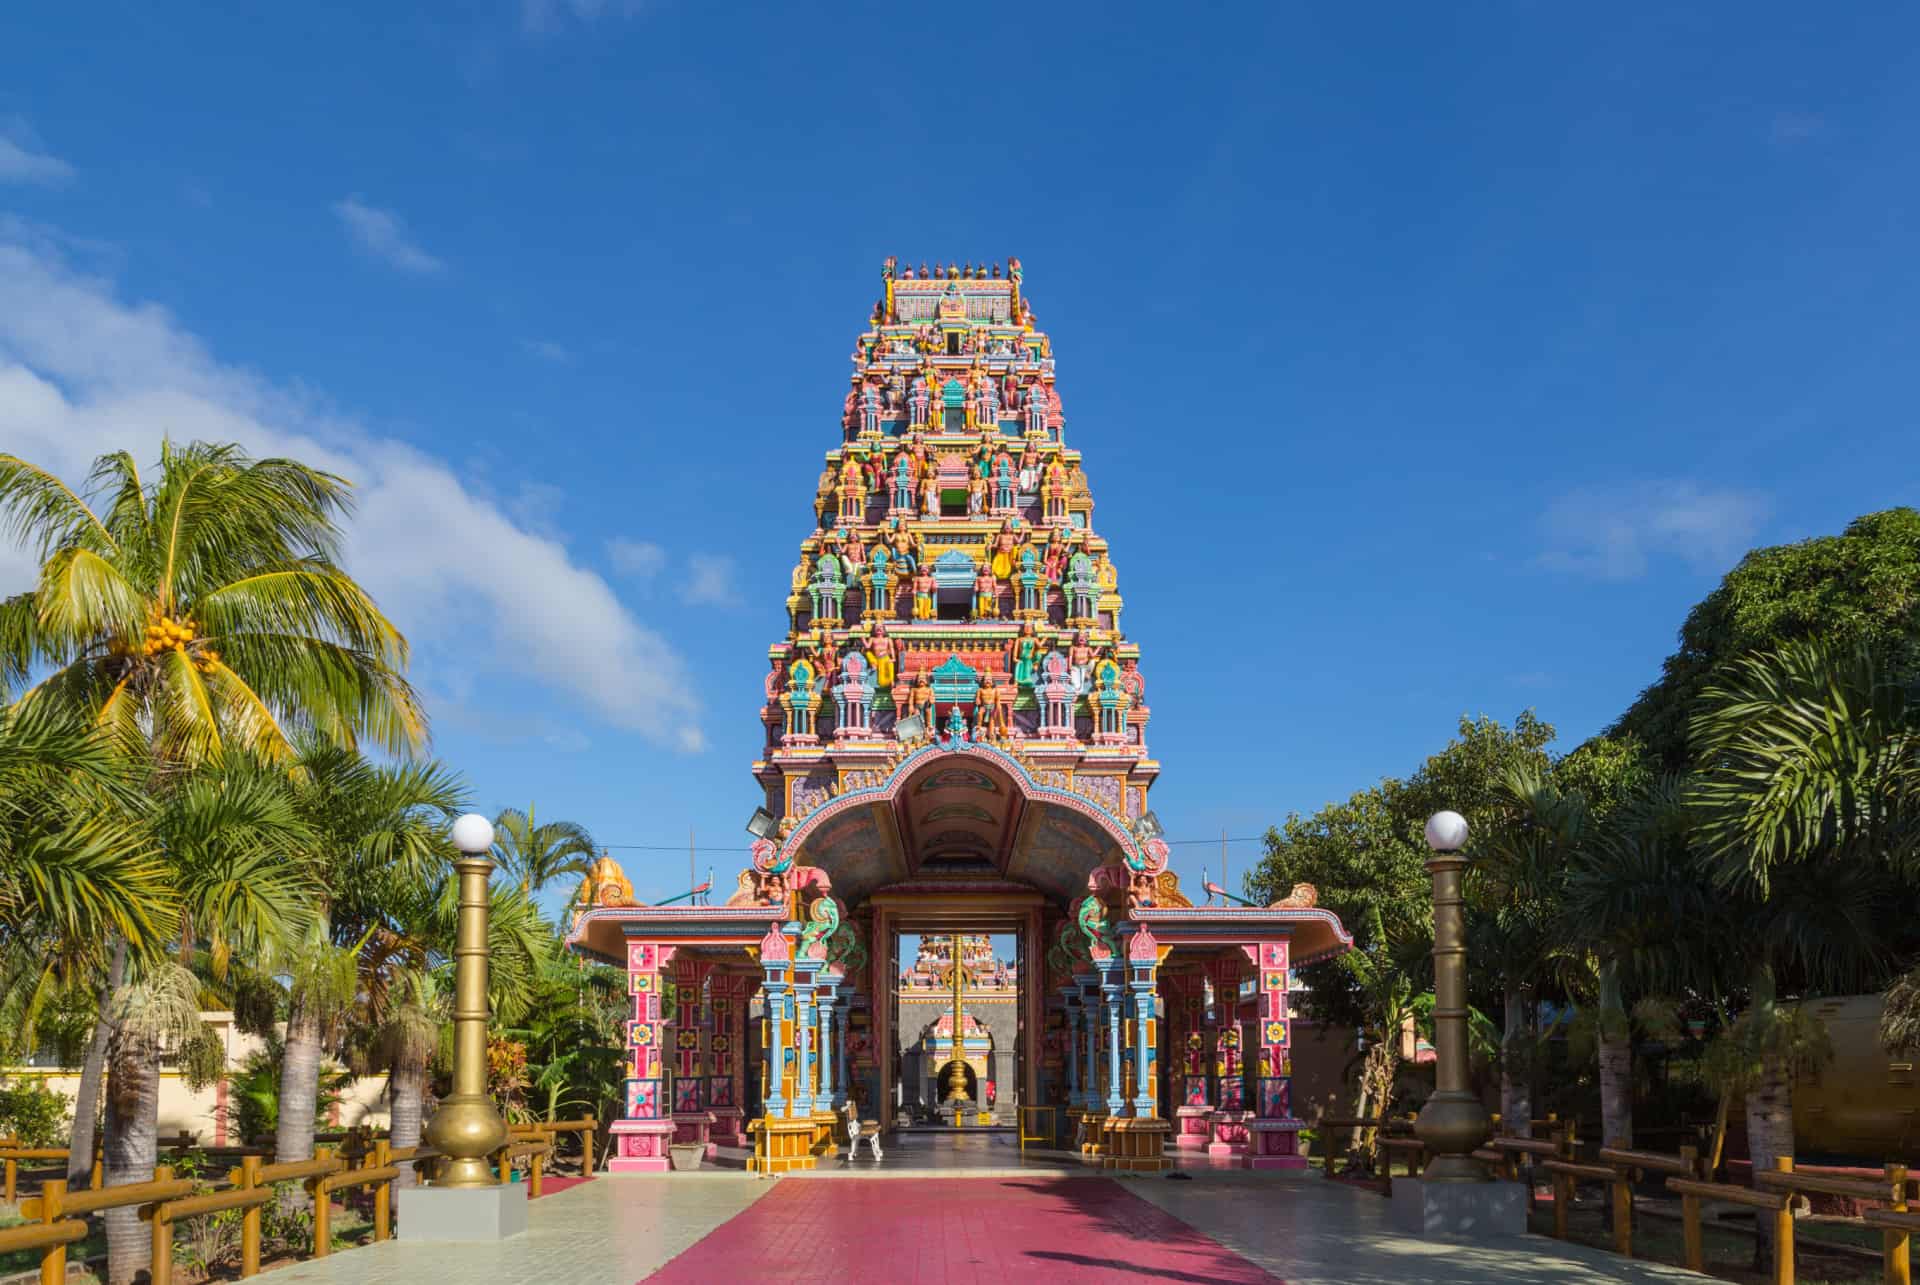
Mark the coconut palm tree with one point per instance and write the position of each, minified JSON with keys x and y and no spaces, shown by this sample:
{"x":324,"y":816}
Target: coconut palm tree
{"x":379,"y":831}
{"x":1807,"y":801}
{"x":199,"y":613}
{"x":537,"y":853}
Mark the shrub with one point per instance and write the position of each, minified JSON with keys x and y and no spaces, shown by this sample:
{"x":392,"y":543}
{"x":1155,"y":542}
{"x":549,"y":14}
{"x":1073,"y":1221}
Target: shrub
{"x":33,"y":1113}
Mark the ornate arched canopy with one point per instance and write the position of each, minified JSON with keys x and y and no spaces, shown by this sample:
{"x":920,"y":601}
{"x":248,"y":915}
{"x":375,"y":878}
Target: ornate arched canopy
{"x":956,"y":810}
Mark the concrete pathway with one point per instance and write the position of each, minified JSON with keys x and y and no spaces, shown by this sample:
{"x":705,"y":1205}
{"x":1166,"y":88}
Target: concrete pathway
{"x":611,"y":1231}
{"x":1038,"y":1226}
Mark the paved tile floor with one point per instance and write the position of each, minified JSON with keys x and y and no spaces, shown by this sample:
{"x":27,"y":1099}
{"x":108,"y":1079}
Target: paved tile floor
{"x":1228,"y":1225}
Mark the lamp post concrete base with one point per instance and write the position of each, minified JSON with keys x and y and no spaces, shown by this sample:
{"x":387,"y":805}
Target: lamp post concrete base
{"x":462,"y":1213}
{"x":1463,"y":1211}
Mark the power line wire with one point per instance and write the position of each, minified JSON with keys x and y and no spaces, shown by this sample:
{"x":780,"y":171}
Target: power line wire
{"x":675,"y":847}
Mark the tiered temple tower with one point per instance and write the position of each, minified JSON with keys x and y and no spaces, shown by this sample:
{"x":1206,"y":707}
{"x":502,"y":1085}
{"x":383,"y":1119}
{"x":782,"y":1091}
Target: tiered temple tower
{"x":953,"y":581}
{"x":955,"y":744}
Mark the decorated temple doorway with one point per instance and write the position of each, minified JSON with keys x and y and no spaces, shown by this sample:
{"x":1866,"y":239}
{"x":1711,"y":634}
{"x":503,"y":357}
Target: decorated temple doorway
{"x":958,"y":1036}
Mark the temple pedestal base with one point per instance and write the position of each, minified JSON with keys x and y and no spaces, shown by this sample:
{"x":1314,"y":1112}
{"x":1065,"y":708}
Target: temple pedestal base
{"x":1275,"y":1144}
{"x":1469,"y":1211}
{"x":727,"y":1130}
{"x":1138,"y":1145}
{"x":1195,"y":1128}
{"x":640,"y":1146}
{"x":1230,"y":1140}
{"x":826,"y":1127}
{"x":1093,"y":1124}
{"x":462,"y":1213}
{"x":781,"y":1146}
{"x":696,"y":1127}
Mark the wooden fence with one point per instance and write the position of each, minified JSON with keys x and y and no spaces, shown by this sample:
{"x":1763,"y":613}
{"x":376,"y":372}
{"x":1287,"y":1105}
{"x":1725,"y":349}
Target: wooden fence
{"x":55,"y":1216}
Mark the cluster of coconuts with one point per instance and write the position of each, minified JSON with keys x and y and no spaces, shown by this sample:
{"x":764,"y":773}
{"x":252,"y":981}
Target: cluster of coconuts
{"x":166,"y":634}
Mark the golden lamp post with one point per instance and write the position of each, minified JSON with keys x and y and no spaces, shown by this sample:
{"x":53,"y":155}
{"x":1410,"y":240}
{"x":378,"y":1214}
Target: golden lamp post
{"x":957,"y":1068}
{"x":1452,"y":1123}
{"x":466,"y":1128}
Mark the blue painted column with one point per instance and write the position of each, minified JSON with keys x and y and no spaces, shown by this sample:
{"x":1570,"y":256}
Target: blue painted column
{"x":804,"y":972}
{"x":1090,"y":1018}
{"x":843,"y":1083}
{"x":1114,"y":997}
{"x":776,"y":1050}
{"x":825,"y":998}
{"x":1145,"y":1009}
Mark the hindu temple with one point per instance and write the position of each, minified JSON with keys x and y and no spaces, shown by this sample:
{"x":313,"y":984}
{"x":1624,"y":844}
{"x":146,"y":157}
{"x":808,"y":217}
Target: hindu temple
{"x":955,"y":751}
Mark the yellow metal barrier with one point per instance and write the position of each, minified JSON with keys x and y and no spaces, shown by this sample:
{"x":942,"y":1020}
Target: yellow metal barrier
{"x":1026,"y":1137}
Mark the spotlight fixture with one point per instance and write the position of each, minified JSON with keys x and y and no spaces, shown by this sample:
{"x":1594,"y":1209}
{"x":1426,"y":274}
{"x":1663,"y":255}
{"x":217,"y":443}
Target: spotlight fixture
{"x":763,"y":824}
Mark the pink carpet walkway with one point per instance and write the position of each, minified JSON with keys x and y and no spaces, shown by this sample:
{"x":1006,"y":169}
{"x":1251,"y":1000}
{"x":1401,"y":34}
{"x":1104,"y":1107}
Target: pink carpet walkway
{"x":937,"y":1231}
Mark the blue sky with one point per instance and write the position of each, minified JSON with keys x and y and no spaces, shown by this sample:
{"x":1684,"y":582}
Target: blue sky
{"x":1427,"y":360}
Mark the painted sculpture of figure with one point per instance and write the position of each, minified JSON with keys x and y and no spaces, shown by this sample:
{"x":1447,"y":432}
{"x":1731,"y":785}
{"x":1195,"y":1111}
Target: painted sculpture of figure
{"x":776,"y":683}
{"x":797,"y":596}
{"x":923,"y":592}
{"x":1056,"y":562}
{"x":1005,"y":542}
{"x":986,"y":594}
{"x":930,"y":496}
{"x":920,"y":701}
{"x":956,"y":723}
{"x":1023,"y":655}
{"x":899,"y":538}
{"x":828,"y":588}
{"x":976,"y":496}
{"x":1133,"y":681}
{"x":879,"y":581}
{"x":1003,"y":494}
{"x":1106,"y":574}
{"x":849,"y":413}
{"x":918,"y":401}
{"x":1082,"y":587}
{"x":903,"y":482}
{"x":1056,"y":409}
{"x":870,"y":409}
{"x":1037,"y":409}
{"x":1033,"y":586}
{"x":986,"y":704}
{"x":1054,"y":491}
{"x":1080,"y":663}
{"x":1029,"y":477}
{"x":882,"y":651}
{"x":875,"y":470}
{"x":822,"y":496}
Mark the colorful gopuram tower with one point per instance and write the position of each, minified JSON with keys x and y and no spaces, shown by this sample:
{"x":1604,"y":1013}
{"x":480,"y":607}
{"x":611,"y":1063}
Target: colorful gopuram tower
{"x":953,"y":581}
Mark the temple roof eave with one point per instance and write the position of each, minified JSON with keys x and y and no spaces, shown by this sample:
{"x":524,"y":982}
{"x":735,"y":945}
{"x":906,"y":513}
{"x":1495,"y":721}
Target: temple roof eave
{"x":602,"y":931}
{"x":1316,"y":934}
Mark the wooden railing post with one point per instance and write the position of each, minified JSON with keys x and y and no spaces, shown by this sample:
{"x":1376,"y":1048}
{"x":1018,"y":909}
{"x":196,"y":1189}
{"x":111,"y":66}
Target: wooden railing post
{"x":53,"y":1195}
{"x":160,"y":1268}
{"x":322,"y":1207}
{"x":1562,"y":1186}
{"x":1895,"y":1247}
{"x":12,"y":1167}
{"x":1621,"y":1189}
{"x":97,"y":1178}
{"x":586,"y":1147}
{"x":382,"y":1192}
{"x":1690,"y":1230}
{"x":250,"y":1219}
{"x":533,"y":1175}
{"x":1783,"y":1230}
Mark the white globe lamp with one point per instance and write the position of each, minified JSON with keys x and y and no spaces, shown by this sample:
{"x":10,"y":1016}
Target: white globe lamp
{"x":1446,"y":832}
{"x":473,"y":834}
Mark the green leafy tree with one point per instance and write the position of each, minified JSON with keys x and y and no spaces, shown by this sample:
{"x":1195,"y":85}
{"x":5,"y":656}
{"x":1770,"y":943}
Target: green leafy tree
{"x":1862,"y":585}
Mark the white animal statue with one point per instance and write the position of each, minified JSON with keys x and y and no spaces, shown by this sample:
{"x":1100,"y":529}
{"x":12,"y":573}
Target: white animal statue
{"x":859,"y":1131}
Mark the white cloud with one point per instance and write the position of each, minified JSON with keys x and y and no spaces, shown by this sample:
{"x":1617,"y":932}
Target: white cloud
{"x":83,"y":372}
{"x":1613,"y":532}
{"x":709,"y":580}
{"x":383,"y":234}
{"x":545,"y":15}
{"x":547,"y":350}
{"x":639,"y":559}
{"x":22,"y":160}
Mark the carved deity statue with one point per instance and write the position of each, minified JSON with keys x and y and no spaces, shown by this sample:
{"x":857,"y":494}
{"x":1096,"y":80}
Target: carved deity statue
{"x":986,"y":594}
{"x":1080,"y":662}
{"x":923,"y":585}
{"x":881,"y":652}
{"x":1023,"y":655}
{"x":918,"y":401}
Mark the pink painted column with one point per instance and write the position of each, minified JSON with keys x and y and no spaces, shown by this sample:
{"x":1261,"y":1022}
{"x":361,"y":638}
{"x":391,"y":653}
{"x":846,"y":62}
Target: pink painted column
{"x":692,"y":1122}
{"x":726,"y":1082}
{"x":1193,"y":1117}
{"x":1230,"y":1139}
{"x":641,"y":1135}
{"x":1276,"y":1133}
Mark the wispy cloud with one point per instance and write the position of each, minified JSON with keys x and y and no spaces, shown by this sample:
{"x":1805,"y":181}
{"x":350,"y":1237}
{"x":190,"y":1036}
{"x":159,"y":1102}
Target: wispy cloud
{"x":547,"y":350}
{"x":83,"y":372}
{"x":709,"y":580}
{"x":545,"y":15}
{"x":382,"y":234}
{"x":638,"y":559}
{"x":24,"y":160}
{"x":1614,"y":532}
